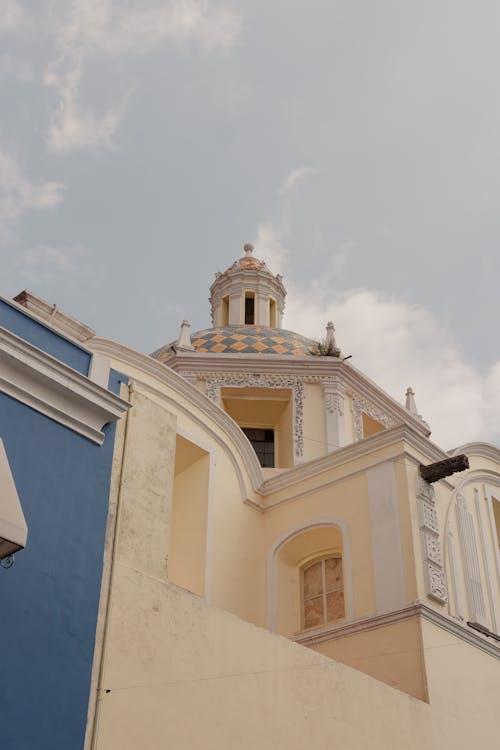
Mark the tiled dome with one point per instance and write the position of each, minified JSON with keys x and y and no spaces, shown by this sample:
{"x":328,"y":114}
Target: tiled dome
{"x":247,"y":340}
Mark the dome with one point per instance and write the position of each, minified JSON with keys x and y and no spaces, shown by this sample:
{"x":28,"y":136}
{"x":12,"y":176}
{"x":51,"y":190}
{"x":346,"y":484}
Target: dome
{"x":246,"y":339}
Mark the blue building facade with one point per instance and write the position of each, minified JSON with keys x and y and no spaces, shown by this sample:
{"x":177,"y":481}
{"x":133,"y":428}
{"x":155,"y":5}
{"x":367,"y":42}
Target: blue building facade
{"x":57,"y":425}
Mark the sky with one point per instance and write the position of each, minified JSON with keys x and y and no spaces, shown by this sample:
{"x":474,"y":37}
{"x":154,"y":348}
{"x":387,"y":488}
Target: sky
{"x":355,"y":143}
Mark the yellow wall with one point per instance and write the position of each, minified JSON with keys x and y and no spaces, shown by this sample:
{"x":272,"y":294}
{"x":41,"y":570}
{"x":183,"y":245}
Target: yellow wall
{"x":391,"y":653}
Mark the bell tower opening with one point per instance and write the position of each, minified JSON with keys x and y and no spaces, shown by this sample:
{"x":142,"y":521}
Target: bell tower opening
{"x":225,"y":311}
{"x":249,"y":308}
{"x":272,"y":313}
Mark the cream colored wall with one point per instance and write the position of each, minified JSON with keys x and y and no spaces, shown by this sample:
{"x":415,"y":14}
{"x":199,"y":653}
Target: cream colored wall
{"x":188,"y":538}
{"x":391,"y":653}
{"x":315,"y":444}
{"x":464,"y":690}
{"x":181,"y":672}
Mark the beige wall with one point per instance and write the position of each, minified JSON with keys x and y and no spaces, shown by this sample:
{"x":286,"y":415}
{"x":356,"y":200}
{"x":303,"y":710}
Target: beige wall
{"x":391,"y":653}
{"x":180,"y":670}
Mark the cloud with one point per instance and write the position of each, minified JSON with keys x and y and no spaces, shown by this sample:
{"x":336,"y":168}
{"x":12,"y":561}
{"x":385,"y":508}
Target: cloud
{"x":269,"y":247}
{"x":45,"y":263}
{"x":19,"y":193}
{"x":72,"y":128}
{"x":106,"y":29}
{"x":293,"y":178}
{"x":398,"y":344}
{"x":11,"y":15}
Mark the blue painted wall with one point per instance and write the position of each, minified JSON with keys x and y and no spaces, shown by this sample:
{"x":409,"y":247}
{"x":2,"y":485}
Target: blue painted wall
{"x":49,"y":598}
{"x":35,"y":333}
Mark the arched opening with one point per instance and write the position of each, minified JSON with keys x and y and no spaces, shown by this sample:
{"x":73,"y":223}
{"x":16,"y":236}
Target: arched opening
{"x":308,"y":580}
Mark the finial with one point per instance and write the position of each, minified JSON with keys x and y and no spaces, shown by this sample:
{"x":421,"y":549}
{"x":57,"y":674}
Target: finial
{"x":248,"y":248}
{"x":184,"y":340}
{"x":410,"y":402}
{"x":330,"y":335}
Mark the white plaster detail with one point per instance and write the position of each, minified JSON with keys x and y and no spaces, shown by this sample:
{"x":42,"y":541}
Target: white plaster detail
{"x":99,"y":370}
{"x":486,"y":555}
{"x":432,"y":548}
{"x":58,"y":320}
{"x":272,"y":594}
{"x":436,"y":582}
{"x":473,"y":585}
{"x":387,"y":553}
{"x":52,"y":388}
{"x":455,"y":584}
{"x":242,"y":380}
{"x":184,"y":340}
{"x":334,"y":396}
{"x":428,"y":517}
{"x":434,"y":575}
{"x":360,"y":404}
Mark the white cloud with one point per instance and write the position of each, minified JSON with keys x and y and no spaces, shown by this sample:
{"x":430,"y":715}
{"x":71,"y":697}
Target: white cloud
{"x":45,"y":263}
{"x":71,"y":128}
{"x":107,"y":29}
{"x":19,"y":193}
{"x":269,"y":246}
{"x":398,"y":344}
{"x":293,"y":178}
{"x":11,"y":15}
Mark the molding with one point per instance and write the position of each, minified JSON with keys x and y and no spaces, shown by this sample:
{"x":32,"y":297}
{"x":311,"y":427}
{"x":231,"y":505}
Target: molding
{"x":243,"y":380}
{"x":185,"y":390}
{"x":434,"y":573}
{"x":470,"y":561}
{"x":311,"y":369}
{"x":50,"y":317}
{"x":59,"y":320}
{"x":53,"y":388}
{"x":272,"y":584}
{"x":195,"y":398}
{"x":350,"y":452}
{"x":483,"y":450}
{"x":360,"y":405}
{"x":417,"y":609}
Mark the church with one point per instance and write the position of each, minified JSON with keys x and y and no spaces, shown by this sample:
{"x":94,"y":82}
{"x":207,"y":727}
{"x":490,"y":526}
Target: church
{"x":280,"y":556}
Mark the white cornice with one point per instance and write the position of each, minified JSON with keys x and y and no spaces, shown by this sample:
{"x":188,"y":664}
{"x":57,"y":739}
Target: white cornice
{"x":417,"y":609}
{"x":197,"y":400}
{"x":483,"y":450}
{"x":206,"y":364}
{"x":49,"y":386}
{"x":59,"y":323}
{"x":348,"y":453}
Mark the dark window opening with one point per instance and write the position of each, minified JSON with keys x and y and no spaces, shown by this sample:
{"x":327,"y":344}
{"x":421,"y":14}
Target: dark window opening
{"x":263,"y":444}
{"x":249,"y":310}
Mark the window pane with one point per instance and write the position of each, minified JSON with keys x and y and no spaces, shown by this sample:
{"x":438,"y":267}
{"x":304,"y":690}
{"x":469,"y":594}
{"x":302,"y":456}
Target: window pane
{"x":313,"y":580}
{"x":333,"y":573}
{"x":335,"y":606}
{"x":313,"y":612}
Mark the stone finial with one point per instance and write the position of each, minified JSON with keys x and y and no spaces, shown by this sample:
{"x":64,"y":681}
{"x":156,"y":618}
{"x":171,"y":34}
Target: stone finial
{"x":248,"y":248}
{"x":410,"y":402}
{"x":330,"y":335}
{"x":184,"y":340}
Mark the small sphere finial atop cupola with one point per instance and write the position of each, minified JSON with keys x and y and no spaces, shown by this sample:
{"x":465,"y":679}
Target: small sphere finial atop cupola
{"x":247,"y":293}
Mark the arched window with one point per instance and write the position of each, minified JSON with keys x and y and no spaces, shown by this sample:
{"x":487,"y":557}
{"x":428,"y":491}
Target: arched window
{"x":323,"y":592}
